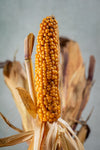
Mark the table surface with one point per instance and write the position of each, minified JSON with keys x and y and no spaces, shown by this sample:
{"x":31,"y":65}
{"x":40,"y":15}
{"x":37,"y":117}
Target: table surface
{"x":79,"y":20}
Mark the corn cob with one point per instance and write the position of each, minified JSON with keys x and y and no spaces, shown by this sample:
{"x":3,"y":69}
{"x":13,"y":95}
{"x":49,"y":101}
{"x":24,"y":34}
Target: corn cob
{"x":47,"y":71}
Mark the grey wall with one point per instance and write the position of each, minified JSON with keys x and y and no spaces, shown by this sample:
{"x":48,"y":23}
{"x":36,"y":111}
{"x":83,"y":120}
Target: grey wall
{"x":78,"y":20}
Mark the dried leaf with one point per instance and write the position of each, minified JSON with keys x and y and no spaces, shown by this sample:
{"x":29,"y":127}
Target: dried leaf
{"x":28,"y":49}
{"x":39,"y":130}
{"x":85,"y":98}
{"x":15,"y":76}
{"x":9,"y":124}
{"x":83,"y":133}
{"x":47,"y":126}
{"x":51,"y":136}
{"x":38,"y":136}
{"x":28,"y":45}
{"x":71,"y":76}
{"x":61,"y":134}
{"x":27,"y":101}
{"x":66,"y":142}
{"x":74,"y":86}
{"x":2,"y":64}
{"x":31,"y":146}
{"x":16,"y":139}
{"x":91,"y":68}
{"x":65,"y":125}
{"x":58,"y":145}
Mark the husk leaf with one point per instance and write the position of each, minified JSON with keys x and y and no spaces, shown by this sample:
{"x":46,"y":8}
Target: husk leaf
{"x":16,"y":139}
{"x":10,"y":124}
{"x":65,"y":125}
{"x":74,"y":85}
{"x":27,"y":101}
{"x":15,"y":76}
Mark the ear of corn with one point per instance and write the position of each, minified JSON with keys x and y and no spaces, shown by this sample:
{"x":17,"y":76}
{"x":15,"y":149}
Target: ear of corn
{"x":47,"y":71}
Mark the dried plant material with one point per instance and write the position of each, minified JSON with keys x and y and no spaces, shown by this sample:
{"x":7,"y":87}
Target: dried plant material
{"x":91,"y":68}
{"x":30,"y":76}
{"x":47,"y":127}
{"x":65,"y":139}
{"x":59,"y":132}
{"x":2,"y":64}
{"x":74,"y":63}
{"x":51,"y":136}
{"x":73,"y":77}
{"x":27,"y":101}
{"x":28,"y":49}
{"x":66,"y":144}
{"x":39,"y":131}
{"x":65,"y":125}
{"x":47,"y":135}
{"x":31,"y":147}
{"x":83,"y":133}
{"x":28,"y":45}
{"x":15,"y":76}
{"x":88,"y":86}
{"x":16,"y":139}
{"x":60,"y":136}
{"x":74,"y":85}
{"x":9,"y":124}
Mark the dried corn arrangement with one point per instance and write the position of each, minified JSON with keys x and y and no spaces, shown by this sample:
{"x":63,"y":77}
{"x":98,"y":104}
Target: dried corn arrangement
{"x":42,"y":101}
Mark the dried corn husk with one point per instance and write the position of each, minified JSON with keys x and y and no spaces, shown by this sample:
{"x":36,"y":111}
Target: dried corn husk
{"x":83,"y":133}
{"x":74,"y":85}
{"x":15,"y":76}
{"x":27,"y":101}
{"x":10,"y":124}
{"x":73,"y":80}
{"x":16,"y":139}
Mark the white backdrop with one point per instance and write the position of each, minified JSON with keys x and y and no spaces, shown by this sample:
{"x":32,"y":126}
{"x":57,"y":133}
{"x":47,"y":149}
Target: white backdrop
{"x":78,"y":20}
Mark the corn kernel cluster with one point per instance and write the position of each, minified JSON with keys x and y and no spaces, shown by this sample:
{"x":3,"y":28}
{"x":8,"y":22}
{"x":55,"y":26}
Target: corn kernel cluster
{"x":47,"y":71}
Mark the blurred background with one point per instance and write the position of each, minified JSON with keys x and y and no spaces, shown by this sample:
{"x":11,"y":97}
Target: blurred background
{"x":78,"y":20}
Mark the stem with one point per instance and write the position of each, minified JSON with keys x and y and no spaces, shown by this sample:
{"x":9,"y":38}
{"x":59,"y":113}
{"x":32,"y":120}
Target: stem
{"x":30,"y":76}
{"x":28,"y":48}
